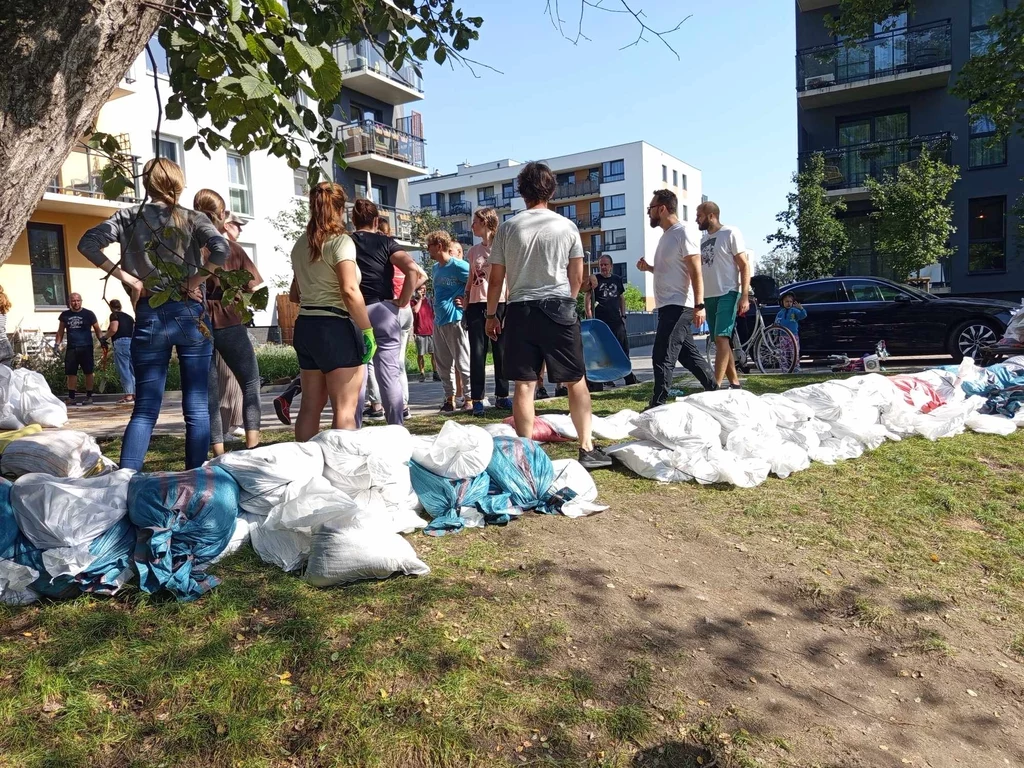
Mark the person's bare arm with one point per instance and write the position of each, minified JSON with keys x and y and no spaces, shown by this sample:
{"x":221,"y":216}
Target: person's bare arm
{"x":588,"y":302}
{"x":575,"y":271}
{"x":346,"y":271}
{"x":743,"y":264}
{"x":692,"y":263}
{"x":405,"y":262}
{"x":293,"y":291}
{"x":112,"y":328}
{"x":493,"y":326}
{"x":99,"y":334}
{"x":60,"y":334}
{"x":622,"y":305}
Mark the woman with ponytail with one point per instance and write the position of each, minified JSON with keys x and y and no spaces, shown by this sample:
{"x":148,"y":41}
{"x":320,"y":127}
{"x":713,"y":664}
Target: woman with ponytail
{"x":333,"y":338}
{"x":162,"y":231}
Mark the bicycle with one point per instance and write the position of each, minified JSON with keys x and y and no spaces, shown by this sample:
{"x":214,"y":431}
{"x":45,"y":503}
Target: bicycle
{"x":773,"y":348}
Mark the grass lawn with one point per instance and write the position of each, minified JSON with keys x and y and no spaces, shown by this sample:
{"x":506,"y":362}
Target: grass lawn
{"x":685,"y":626}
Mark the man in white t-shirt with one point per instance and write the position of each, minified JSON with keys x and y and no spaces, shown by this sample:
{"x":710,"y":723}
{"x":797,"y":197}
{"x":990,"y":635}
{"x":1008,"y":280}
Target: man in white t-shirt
{"x":678,"y":296}
{"x":726,"y":285}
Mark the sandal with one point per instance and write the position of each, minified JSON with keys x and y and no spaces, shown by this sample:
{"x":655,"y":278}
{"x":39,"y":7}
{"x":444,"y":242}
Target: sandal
{"x":125,"y":401}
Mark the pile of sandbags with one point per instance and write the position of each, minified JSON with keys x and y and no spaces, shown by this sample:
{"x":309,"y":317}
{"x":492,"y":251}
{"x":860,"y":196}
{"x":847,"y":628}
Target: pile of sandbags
{"x":25,"y":398}
{"x":61,"y":453}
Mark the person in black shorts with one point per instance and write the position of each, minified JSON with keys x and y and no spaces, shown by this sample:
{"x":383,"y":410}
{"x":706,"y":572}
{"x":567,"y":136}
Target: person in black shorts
{"x":540,"y":255}
{"x":77,"y":324}
{"x":606,"y":301}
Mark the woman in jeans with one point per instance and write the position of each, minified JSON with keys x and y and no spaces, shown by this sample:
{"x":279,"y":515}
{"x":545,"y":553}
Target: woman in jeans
{"x":119,"y":331}
{"x":377,"y":256}
{"x":230,"y":337}
{"x":178,"y":236}
{"x":333,"y":338}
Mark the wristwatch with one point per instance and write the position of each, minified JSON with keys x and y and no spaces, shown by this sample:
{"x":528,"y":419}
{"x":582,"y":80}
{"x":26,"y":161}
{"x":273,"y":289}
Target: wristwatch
{"x":491,"y":317}
{"x":700,"y":306}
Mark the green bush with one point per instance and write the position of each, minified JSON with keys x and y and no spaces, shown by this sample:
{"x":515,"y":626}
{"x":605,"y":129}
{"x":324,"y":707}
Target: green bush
{"x":276,"y":361}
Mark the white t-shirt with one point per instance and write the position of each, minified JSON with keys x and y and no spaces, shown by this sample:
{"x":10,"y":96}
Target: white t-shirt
{"x":536,"y":246}
{"x":671,"y":278}
{"x":717,"y":261}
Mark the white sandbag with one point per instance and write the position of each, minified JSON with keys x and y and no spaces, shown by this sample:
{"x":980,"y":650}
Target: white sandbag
{"x":343,"y":554}
{"x":562,"y":424}
{"x":38,"y":403}
{"x":703,"y":463}
{"x":570,"y":474}
{"x":10,"y":399}
{"x":288,"y":550}
{"x":678,"y":425}
{"x":732,"y":408}
{"x":355,"y":461}
{"x":392,"y":507}
{"x":947,"y":420}
{"x":14,"y":583}
{"x":306,"y":505}
{"x":63,"y":516}
{"x":825,"y":399}
{"x":263,"y":474}
{"x":459,"y":451}
{"x":833,"y":449}
{"x":990,"y":424}
{"x":652,"y":460}
{"x":756,"y":442}
{"x":618,"y":426}
{"x":499,"y":430}
{"x":787,"y":413}
{"x":870,"y":435}
{"x":61,"y":453}
{"x":240,"y":535}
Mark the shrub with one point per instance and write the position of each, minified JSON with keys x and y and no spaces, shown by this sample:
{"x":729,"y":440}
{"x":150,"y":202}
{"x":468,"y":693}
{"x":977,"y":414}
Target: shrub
{"x":276,"y":361}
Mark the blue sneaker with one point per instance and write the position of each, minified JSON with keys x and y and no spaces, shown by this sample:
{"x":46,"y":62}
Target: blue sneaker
{"x":478,"y":408}
{"x":504,"y":403}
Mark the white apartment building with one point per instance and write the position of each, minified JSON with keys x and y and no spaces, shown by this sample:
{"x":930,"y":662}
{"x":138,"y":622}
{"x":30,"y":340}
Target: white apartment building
{"x":605,"y":191}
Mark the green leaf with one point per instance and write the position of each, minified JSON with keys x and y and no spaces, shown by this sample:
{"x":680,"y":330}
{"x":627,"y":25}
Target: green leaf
{"x":115,"y":186}
{"x":289,"y":107}
{"x":211,"y":68}
{"x":178,"y":40}
{"x":160,"y":298}
{"x":327,"y":80}
{"x":256,"y":49}
{"x":260,"y":299}
{"x":440,"y":55}
{"x":190,"y":143}
{"x":254,"y":88}
{"x":173,"y":110}
{"x":239,"y":37}
{"x":299,"y":55}
{"x":421,"y":47}
{"x":234,"y":10}
{"x":272,"y":8}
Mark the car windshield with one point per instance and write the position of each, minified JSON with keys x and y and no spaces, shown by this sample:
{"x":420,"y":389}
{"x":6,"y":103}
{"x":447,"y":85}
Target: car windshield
{"x":917,"y":292}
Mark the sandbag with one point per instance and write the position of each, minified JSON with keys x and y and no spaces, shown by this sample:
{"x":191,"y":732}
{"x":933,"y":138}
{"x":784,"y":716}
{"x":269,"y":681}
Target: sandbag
{"x":706,"y":464}
{"x":64,"y":516}
{"x":8,"y":437}
{"x":678,"y":425}
{"x":458,"y":451}
{"x":341,"y":554}
{"x":263,"y":473}
{"x":184,"y":520}
{"x":787,"y":413}
{"x":562,"y":424}
{"x":988,"y":424}
{"x":542,"y":431}
{"x":732,"y":408}
{"x":15,"y":583}
{"x":618,"y":426}
{"x":10,"y":399}
{"x":918,"y":392}
{"x":573,"y":489}
{"x":61,"y":453}
{"x":521,"y":469}
{"x":499,"y":430}
{"x":307,"y":505}
{"x":38,"y":403}
{"x":288,"y":550}
{"x":759,"y":442}
{"x":443,"y":498}
{"x":370,"y":457}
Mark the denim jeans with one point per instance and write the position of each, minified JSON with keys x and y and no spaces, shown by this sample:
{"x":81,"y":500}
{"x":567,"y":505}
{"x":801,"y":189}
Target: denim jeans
{"x":157,"y":330}
{"x":123,"y":363}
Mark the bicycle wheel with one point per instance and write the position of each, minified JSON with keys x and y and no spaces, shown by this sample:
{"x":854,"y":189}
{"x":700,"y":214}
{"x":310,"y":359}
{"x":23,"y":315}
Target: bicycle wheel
{"x":776,"y":350}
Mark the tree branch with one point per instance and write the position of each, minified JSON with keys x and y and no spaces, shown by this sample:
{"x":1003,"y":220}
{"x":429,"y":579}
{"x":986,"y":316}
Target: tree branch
{"x":551,"y":10}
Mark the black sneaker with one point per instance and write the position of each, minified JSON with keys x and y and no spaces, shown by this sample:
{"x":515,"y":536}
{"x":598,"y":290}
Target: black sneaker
{"x":595,"y":459}
{"x":423,"y":378}
{"x":448,"y":407}
{"x":406,"y":414}
{"x":369,"y":413}
{"x":631,"y":380}
{"x":436,"y":377}
{"x":88,"y":400}
{"x":561,"y":391}
{"x":542,"y":394}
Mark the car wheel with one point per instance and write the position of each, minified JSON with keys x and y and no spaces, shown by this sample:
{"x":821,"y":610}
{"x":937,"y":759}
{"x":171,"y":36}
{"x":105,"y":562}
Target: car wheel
{"x":970,"y":337}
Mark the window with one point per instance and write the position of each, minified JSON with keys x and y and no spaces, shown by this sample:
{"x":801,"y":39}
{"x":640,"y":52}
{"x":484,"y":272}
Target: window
{"x":675,"y":178}
{"x":985,"y":149}
{"x":613,"y":170}
{"x":664,"y":173}
{"x":455,"y":197}
{"x":300,"y":182}
{"x":565,"y":178}
{"x":867,"y":290}
{"x":170,"y":147}
{"x":360,"y":113}
{"x":595,"y":212}
{"x":378,"y":193}
{"x":433,"y":200}
{"x":485,"y":196}
{"x":594,"y":174}
{"x":684,"y":213}
{"x":615,"y":240}
{"x":619,"y":269}
{"x":596,"y":244}
{"x":982,"y":12}
{"x":239,"y":192}
{"x":459,"y":227}
{"x":250,"y":250}
{"x":508,"y":191}
{"x":569,"y":211}
{"x":986,"y":234}
{"x":684,"y":181}
{"x":828,"y":292}
{"x":49,"y":274}
{"x":615,"y":205}
{"x":159,"y":56}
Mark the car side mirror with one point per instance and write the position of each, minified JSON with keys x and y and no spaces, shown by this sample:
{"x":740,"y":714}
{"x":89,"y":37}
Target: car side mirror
{"x":902,"y":298}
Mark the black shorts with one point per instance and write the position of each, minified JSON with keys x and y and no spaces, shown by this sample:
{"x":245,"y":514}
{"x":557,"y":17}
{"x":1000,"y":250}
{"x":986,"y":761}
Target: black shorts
{"x":78,"y":357}
{"x":543,"y":332}
{"x":327,"y":343}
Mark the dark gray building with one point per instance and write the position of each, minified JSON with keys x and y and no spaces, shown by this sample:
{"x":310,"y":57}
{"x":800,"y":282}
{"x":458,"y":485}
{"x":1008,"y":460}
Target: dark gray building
{"x":872,"y":106}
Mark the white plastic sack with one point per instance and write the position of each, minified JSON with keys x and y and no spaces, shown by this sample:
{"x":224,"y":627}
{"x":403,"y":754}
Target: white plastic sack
{"x":459,"y":451}
{"x":356,"y":461}
{"x":343,"y":554}
{"x":562,"y":424}
{"x":38,"y":403}
{"x":826,"y":399}
{"x":306,"y":505}
{"x":990,"y":424}
{"x":263,"y":474}
{"x":570,"y":474}
{"x":10,"y":399}
{"x":392,"y":507}
{"x":832,"y":449}
{"x":240,"y":535}
{"x":756,"y":442}
{"x":499,"y":430}
{"x":948,"y":420}
{"x":63,"y":516}
{"x":288,"y":550}
{"x":14,"y":581}
{"x":618,"y":426}
{"x":703,"y":463}
{"x":787,"y":413}
{"x":61,"y":453}
{"x":733,"y":408}
{"x":678,"y":425}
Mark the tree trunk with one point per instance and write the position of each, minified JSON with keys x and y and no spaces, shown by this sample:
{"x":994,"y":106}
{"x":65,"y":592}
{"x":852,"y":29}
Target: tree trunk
{"x":63,"y":58}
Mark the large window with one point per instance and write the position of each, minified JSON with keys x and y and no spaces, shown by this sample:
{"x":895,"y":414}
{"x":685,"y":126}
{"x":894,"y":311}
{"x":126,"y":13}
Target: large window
{"x":485,"y":196}
{"x":361,"y":113}
{"x":613,"y":170}
{"x":986,"y":234}
{"x":615,"y":205}
{"x":508,"y":191}
{"x":159,"y":55}
{"x":982,"y":12}
{"x":684,"y":213}
{"x":170,"y":147}
{"x":596,"y":244}
{"x":433,"y":200}
{"x":565,"y":178}
{"x":300,"y":182}
{"x":49,"y":273}
{"x":239,"y":185}
{"x":615,"y":240}
{"x":664,"y":173}
{"x":684,"y":181}
{"x":569,"y":211}
{"x":454,"y":198}
{"x":985,"y":149}
{"x":378,"y":193}
{"x":675,"y":178}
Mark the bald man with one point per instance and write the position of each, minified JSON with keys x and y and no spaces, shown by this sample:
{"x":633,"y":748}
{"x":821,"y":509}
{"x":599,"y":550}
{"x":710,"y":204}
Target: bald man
{"x":77,"y":322}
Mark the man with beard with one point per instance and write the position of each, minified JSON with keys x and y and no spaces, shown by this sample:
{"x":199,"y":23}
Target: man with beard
{"x":678,"y":296}
{"x":606,"y":301}
{"x":727,"y":285}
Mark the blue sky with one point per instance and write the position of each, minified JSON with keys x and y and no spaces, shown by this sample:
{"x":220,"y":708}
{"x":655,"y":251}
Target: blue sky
{"x":727,"y":106}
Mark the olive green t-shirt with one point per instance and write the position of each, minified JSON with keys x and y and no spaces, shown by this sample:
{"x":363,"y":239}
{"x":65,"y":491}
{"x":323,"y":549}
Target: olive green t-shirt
{"x":318,"y":280}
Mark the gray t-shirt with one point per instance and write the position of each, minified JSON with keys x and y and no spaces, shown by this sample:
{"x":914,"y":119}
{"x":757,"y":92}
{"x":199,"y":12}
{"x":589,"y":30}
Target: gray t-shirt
{"x":535,"y":246}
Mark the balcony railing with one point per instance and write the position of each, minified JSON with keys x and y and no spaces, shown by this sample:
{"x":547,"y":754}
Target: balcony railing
{"x":578,"y":189}
{"x":850,"y":167}
{"x":82,"y":175}
{"x":372,"y":138}
{"x":588,"y":222}
{"x":487,"y":202}
{"x":460,"y":208}
{"x":362,"y":56}
{"x":399,"y":219}
{"x":891,"y":53}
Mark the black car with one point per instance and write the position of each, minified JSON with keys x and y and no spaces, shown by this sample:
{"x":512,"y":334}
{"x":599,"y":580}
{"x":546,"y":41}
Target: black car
{"x":850,"y":315}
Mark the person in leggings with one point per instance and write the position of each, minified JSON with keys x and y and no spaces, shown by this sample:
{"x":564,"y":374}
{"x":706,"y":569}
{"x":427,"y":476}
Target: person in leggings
{"x":179,"y":323}
{"x":485,"y":224}
{"x":230,"y":337}
{"x":377,"y":255}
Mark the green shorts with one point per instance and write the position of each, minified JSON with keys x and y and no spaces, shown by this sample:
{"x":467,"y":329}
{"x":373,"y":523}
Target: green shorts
{"x":721,"y":311}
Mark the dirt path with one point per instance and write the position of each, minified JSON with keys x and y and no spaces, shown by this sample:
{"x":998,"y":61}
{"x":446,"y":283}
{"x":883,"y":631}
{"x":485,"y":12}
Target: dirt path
{"x":728,"y":633}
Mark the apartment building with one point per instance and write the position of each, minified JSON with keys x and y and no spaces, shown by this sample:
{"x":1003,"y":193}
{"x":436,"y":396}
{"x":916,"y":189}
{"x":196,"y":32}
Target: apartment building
{"x":382,"y":148}
{"x":873,"y":106}
{"x":605,"y":191}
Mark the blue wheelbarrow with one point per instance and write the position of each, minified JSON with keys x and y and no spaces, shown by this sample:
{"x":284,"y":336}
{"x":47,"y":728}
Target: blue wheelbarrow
{"x":602,"y":353}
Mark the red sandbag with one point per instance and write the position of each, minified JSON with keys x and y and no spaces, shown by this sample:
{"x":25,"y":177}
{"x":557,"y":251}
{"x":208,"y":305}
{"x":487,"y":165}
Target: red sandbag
{"x":916,"y":391}
{"x":542,"y":431}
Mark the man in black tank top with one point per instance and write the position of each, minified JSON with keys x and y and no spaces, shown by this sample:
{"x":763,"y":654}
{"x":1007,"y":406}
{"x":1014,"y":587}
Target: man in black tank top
{"x":606,"y":301}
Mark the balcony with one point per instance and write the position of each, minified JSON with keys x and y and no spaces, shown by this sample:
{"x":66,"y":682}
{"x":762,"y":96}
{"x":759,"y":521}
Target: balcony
{"x":847,"y":169}
{"x":78,"y":185}
{"x":365,"y":70}
{"x":585,"y":223}
{"x":611,"y":245}
{"x":460,"y":208}
{"x":125,"y":86}
{"x":585,"y":188}
{"x":487,"y":202}
{"x":378,"y":148}
{"x":900,"y":61}
{"x":399,"y":219}
{"x":465,"y":238}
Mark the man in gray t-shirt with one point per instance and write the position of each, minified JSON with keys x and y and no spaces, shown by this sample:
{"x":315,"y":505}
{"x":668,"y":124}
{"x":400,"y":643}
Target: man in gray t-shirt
{"x":540,"y":256}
